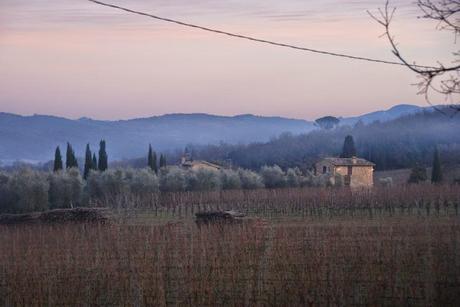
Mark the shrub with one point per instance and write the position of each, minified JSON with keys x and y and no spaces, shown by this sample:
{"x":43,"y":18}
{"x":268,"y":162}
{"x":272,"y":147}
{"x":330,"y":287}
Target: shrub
{"x":230,"y":180}
{"x":173,"y":179}
{"x":143,"y":181}
{"x":66,"y":188}
{"x":203,"y":180}
{"x":338,"y":181}
{"x":294,"y":177}
{"x":250,"y":180}
{"x":24,"y":191}
{"x":323,"y":180}
{"x":115,"y":183}
{"x":417,"y":175}
{"x":386,"y":182}
{"x":273,"y":177}
{"x":106,"y":185}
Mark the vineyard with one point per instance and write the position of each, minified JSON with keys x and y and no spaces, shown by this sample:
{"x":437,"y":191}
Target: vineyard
{"x":417,"y":200}
{"x":309,"y":246}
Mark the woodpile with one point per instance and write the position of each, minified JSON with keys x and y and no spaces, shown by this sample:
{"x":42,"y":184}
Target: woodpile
{"x":214,"y":217}
{"x":79,"y":215}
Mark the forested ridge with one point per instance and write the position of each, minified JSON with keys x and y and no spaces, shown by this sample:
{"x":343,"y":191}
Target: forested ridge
{"x":400,"y":143}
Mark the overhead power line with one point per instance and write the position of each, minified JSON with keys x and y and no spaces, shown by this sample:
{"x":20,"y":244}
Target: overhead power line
{"x":254,"y":39}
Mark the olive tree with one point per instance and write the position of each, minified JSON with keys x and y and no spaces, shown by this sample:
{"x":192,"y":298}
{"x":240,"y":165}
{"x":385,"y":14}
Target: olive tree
{"x":65,"y":188}
{"x":27,"y":191}
{"x":230,"y":180}
{"x":250,"y":180}
{"x":273,"y":176}
{"x":172,"y":179}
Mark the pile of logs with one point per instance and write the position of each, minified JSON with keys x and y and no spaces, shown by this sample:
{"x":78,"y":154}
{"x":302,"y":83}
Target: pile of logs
{"x":214,"y":217}
{"x":95,"y":215}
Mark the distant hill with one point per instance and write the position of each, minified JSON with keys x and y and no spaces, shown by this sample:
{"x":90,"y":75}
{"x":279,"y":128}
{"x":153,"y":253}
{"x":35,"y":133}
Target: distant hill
{"x":34,"y":138}
{"x":384,"y":115}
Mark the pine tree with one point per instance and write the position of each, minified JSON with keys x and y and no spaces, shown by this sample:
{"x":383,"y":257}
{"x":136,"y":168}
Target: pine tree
{"x":57,"y":160}
{"x":436,"y":173}
{"x":103,"y":159}
{"x":162,"y":161}
{"x":94,"y":163}
{"x":88,"y":162}
{"x":349,"y":149}
{"x":71,"y":160}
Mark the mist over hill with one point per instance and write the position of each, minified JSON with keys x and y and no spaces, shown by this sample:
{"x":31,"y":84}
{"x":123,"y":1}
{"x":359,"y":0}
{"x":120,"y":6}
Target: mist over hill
{"x":34,"y":138}
{"x":384,"y":115}
{"x":403,"y":142}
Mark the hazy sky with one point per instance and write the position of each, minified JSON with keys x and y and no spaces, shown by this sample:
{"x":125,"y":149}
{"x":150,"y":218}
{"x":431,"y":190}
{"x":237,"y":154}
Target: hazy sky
{"x":74,"y":58}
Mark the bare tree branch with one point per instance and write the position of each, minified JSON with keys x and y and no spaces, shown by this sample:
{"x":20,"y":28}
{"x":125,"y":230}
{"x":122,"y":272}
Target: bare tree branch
{"x":444,"y":11}
{"x":440,"y":79}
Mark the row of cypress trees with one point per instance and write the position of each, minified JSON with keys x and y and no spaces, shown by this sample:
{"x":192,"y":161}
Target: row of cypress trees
{"x":91,"y":162}
{"x":101,"y":164}
{"x":71,"y":160}
{"x":152,"y":160}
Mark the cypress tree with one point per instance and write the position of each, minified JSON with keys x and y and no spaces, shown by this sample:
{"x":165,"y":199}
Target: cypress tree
{"x":103,"y":159}
{"x":68,"y":156}
{"x":71,"y":160}
{"x":162,"y":161}
{"x":154,"y":162}
{"x":88,"y":162}
{"x":94,"y":163}
{"x":57,"y":160}
{"x":349,"y":149}
{"x":436,"y":173}
{"x":150,"y":157}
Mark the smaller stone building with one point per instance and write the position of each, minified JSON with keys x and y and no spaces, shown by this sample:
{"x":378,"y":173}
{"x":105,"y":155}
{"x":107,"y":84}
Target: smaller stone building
{"x":356,"y":172}
{"x":198,"y":164}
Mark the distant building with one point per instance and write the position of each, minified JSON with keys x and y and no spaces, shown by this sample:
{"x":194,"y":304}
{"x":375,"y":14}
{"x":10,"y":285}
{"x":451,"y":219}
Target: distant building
{"x":356,"y":172}
{"x":188,"y":163}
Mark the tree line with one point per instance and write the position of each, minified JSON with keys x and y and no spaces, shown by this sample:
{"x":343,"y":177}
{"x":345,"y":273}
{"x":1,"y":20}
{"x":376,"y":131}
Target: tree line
{"x":28,"y":190}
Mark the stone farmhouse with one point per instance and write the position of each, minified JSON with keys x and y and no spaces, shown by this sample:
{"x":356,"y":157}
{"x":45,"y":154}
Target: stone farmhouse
{"x":356,"y":172}
{"x":188,"y":163}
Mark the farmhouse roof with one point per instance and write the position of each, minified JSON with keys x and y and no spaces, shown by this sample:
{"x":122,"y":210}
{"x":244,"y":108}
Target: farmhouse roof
{"x":197,"y":162}
{"x":349,"y":161}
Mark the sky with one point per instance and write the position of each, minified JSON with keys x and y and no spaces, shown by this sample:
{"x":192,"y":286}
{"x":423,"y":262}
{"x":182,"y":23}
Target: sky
{"x":75,"y":59}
